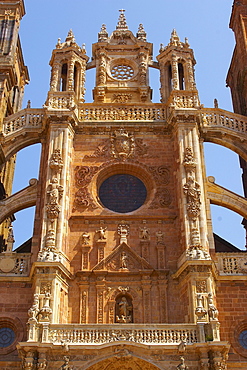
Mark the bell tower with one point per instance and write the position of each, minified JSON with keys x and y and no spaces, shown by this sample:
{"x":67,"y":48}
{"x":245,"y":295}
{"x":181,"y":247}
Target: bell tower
{"x":176,"y":62}
{"x":13,"y":78}
{"x":121,"y":63}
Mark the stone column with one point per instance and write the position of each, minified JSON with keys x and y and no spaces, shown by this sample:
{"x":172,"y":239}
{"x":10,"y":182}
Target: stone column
{"x":175,"y":81}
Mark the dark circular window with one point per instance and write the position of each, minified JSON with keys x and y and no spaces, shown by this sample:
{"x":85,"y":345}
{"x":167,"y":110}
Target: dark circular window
{"x":7,"y":337}
{"x":122,"y":193}
{"x":243,"y":339}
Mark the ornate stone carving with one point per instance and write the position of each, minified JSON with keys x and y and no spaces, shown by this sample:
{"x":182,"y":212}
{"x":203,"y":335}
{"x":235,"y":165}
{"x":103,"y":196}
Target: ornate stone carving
{"x":123,"y":261}
{"x":197,"y":253}
{"x":144,"y":233}
{"x":42,"y":362}
{"x":162,"y":199}
{"x":159,"y":237}
{"x":200,"y":310}
{"x":45,"y":287}
{"x":85,"y":238}
{"x":161,"y":175}
{"x":56,"y":161}
{"x":54,"y":193}
{"x":101,"y":232}
{"x":83,"y":177}
{"x":124,"y":311}
{"x":123,"y":231}
{"x":121,"y":98}
{"x":46,"y":311}
{"x":84,"y":200}
{"x":212,"y":310}
{"x":182,"y":365}
{"x":66,"y":365}
{"x":122,"y":144}
{"x":83,"y":307}
{"x":100,"y":307}
{"x":102,"y":35}
{"x":192,"y":192}
{"x":201,"y":286}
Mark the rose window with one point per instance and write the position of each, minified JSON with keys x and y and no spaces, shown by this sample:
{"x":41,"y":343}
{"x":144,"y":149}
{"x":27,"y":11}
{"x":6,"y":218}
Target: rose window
{"x":122,"y":72}
{"x":7,"y":337}
{"x":243,"y":339}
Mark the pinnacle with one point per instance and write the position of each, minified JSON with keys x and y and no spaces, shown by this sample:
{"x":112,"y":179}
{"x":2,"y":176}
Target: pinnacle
{"x":122,"y":24}
{"x":70,"y":36}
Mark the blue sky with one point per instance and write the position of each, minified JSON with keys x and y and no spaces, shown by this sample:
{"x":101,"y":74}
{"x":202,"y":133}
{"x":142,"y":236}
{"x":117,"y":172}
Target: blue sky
{"x":204,"y":23}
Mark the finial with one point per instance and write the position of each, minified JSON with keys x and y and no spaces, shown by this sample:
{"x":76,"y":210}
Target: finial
{"x":58,"y":46}
{"x":102,"y":35}
{"x":175,"y":40}
{"x":122,"y":25}
{"x":216,"y":105}
{"x":10,"y":240}
{"x":141,"y":34}
{"x":186,"y":42}
{"x":29,"y":104}
{"x":70,"y":37}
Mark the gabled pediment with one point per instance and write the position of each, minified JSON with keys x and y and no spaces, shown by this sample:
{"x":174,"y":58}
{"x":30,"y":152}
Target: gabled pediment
{"x":123,"y":258}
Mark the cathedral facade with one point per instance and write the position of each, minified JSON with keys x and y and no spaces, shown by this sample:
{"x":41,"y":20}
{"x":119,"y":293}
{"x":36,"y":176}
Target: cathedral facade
{"x":123,"y":270}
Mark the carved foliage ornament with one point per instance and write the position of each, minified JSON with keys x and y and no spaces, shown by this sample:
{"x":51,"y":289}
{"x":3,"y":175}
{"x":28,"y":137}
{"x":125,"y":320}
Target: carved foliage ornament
{"x":83,"y":177}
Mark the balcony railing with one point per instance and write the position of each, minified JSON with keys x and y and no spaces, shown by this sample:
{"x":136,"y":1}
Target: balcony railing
{"x":232,"y":263}
{"x":14,"y":264}
{"x":96,"y":334}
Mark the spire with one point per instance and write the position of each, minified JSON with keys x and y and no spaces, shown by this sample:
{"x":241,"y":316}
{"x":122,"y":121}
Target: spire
{"x":122,"y":25}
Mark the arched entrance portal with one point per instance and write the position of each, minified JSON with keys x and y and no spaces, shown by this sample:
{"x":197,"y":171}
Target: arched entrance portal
{"x":123,"y":361}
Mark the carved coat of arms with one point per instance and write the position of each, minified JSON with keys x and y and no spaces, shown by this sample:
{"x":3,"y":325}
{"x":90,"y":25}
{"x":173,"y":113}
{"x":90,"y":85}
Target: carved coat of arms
{"x":122,"y":144}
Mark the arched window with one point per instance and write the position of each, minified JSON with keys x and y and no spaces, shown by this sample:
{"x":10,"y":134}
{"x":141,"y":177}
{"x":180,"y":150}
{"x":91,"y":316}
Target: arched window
{"x":63,"y":82}
{"x":181,"y":76}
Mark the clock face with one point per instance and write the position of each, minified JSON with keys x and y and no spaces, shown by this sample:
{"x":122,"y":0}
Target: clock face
{"x":122,"y":72}
{"x":122,"y":193}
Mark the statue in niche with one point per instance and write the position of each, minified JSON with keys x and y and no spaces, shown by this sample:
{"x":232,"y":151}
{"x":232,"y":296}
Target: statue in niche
{"x":123,"y":261}
{"x":123,"y":310}
{"x":212,"y":310}
{"x":54,"y":191}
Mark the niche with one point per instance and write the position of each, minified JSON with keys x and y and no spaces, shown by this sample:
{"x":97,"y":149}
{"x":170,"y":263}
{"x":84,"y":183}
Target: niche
{"x":123,"y":309}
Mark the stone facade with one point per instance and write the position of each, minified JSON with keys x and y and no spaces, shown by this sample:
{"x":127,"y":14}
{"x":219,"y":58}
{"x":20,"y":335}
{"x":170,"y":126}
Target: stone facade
{"x":122,"y":270}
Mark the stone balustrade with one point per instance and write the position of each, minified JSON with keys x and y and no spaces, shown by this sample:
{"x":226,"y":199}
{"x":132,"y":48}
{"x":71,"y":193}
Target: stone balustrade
{"x":184,"y":99}
{"x":220,"y":117}
{"x":232,"y":263}
{"x":150,"y":334}
{"x":62,"y":100}
{"x":26,"y":118}
{"x":109,"y":112}
{"x":15,"y":264}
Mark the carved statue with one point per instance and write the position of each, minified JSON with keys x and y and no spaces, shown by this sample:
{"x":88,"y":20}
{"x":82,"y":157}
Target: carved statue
{"x":144,"y":233}
{"x":124,"y":311}
{"x":85,"y":238}
{"x":212,"y":310}
{"x":182,"y":365}
{"x":101,"y":232}
{"x":160,"y":237}
{"x":123,"y":231}
{"x":54,"y":191}
{"x":123,"y":260}
{"x":66,"y":365}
